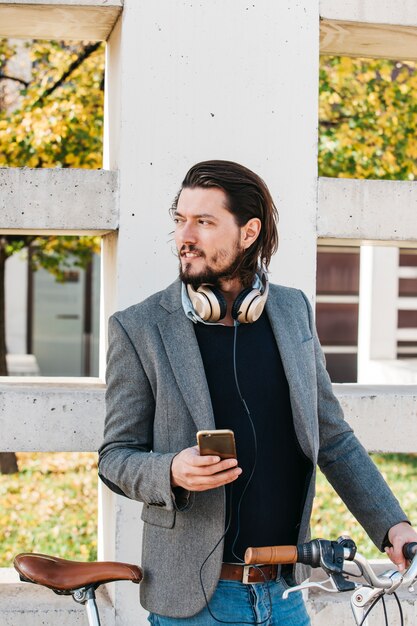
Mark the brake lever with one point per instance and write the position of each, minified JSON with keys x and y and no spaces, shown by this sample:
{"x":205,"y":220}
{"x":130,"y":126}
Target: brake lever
{"x":317,"y":585}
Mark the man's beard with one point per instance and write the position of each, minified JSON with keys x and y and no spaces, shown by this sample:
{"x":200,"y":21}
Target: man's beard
{"x":210,"y":275}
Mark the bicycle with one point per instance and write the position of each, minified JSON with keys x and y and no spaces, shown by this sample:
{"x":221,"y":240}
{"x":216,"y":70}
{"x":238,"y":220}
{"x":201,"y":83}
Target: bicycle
{"x":331,"y":557}
{"x":82,"y":579}
{"x":75,"y":578}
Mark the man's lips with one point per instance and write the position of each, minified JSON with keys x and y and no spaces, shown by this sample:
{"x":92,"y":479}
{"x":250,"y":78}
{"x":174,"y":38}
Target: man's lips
{"x":191,"y":254}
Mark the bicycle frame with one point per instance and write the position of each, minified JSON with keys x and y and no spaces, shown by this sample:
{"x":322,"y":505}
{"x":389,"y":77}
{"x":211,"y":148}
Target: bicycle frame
{"x":364,"y":594}
{"x":387,"y":583}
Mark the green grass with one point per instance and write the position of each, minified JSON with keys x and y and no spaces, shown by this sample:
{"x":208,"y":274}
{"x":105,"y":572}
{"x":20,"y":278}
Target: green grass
{"x":51,"y":505}
{"x":331,"y":517}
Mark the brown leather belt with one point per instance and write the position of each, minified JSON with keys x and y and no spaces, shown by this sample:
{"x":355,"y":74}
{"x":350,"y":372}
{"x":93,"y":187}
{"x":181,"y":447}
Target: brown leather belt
{"x":249,"y":574}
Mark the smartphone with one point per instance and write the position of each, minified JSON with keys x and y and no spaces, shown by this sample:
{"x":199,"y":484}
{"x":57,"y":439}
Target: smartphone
{"x":217,"y":442}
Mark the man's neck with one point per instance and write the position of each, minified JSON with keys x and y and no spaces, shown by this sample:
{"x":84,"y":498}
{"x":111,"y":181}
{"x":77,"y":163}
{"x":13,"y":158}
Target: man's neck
{"x":230,"y":290}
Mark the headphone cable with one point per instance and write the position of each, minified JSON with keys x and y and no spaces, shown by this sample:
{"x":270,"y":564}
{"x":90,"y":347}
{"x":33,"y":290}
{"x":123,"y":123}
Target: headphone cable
{"x":255,"y":442}
{"x":229,"y":521}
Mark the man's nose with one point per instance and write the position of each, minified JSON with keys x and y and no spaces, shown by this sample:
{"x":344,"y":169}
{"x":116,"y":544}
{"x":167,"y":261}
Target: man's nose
{"x":188,"y":233}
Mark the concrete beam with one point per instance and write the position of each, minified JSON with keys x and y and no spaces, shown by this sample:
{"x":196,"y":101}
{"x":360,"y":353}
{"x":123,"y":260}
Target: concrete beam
{"x":383,"y":416}
{"x":68,"y":414}
{"x":358,"y":39}
{"x":367,"y":211}
{"x":59,"y":19}
{"x":61,"y":414}
{"x":54,"y":200}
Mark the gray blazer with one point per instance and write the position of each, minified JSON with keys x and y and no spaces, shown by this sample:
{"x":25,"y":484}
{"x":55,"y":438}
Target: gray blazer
{"x":157,"y":398}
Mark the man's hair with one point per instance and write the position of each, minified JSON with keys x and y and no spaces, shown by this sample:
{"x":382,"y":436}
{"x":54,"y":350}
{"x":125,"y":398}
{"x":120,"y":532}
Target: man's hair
{"x":247,"y":197}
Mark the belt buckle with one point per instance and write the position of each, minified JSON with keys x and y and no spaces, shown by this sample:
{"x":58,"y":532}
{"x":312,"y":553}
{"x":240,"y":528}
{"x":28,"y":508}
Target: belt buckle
{"x":246,"y":572}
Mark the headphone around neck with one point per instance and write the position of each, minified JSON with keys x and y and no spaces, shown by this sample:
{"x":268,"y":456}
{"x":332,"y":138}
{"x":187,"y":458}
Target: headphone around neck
{"x":209,"y":303}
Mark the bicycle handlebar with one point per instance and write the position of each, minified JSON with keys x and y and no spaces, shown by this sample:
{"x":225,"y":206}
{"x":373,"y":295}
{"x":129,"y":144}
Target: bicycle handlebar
{"x":312,"y":553}
{"x":307,"y":553}
{"x":282,"y":555}
{"x":331,"y":556}
{"x":410,"y":550}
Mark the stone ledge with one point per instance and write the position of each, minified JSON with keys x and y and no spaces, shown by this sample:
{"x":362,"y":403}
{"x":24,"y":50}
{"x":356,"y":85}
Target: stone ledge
{"x":51,"y":414}
{"x":383,"y":416}
{"x":22,"y":604}
{"x":59,"y":19}
{"x":67,"y":414}
{"x":51,"y":200}
{"x":367,"y":211}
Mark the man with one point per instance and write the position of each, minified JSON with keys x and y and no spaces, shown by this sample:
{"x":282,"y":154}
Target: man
{"x":180,"y":362}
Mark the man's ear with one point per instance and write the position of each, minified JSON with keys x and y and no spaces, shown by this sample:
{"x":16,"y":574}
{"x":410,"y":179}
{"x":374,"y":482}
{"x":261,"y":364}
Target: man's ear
{"x":250,"y":232}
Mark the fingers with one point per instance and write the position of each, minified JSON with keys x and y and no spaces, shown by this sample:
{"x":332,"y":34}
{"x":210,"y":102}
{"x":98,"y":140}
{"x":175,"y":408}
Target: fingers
{"x":202,"y":483}
{"x":198,"y":473}
{"x":399,"y":535}
{"x":206,"y":464}
{"x":396,"y":556}
{"x":214,"y":467}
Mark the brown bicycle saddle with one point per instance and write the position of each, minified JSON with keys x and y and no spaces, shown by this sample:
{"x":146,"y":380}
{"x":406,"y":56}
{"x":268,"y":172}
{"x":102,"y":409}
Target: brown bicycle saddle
{"x":63,"y":575}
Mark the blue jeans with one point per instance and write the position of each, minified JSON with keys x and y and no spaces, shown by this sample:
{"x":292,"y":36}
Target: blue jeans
{"x":236,"y":603}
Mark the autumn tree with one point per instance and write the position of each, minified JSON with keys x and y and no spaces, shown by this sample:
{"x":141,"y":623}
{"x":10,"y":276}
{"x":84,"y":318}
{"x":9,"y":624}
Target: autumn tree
{"x":368,"y":118}
{"x":55,"y":121}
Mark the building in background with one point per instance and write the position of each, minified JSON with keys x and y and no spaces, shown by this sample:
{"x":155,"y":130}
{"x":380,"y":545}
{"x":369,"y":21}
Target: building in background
{"x":368,"y":327}
{"x":52,"y":328}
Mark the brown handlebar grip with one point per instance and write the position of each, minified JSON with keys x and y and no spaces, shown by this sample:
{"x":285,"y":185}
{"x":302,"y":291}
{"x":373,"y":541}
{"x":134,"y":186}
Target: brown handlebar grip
{"x":272,"y":554}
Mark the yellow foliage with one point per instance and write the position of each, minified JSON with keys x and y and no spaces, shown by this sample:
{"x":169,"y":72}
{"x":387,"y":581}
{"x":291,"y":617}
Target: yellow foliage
{"x":368,"y":118}
{"x":50,"y":506}
{"x":65,"y":128}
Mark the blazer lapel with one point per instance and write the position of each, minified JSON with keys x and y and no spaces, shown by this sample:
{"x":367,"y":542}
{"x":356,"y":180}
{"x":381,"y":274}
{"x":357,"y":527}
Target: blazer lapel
{"x":182,"y":349}
{"x":286,"y":335}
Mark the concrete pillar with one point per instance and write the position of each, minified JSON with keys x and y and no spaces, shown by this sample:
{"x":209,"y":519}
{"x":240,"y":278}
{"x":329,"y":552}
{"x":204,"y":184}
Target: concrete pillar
{"x":196,"y":81}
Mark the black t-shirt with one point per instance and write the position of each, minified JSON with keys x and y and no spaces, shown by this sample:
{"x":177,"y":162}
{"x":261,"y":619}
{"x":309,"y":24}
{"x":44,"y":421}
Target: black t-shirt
{"x":270,"y":510}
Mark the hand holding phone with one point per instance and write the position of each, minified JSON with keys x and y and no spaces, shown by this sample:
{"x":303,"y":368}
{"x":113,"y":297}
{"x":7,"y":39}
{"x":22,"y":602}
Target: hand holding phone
{"x":199,"y":470}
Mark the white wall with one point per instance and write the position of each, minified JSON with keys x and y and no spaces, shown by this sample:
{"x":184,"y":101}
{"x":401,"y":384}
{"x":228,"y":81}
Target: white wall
{"x":214,"y":80}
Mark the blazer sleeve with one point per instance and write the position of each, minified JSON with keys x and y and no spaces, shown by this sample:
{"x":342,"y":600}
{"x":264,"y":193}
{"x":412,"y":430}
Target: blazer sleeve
{"x":346,"y":463}
{"x":127,"y":463}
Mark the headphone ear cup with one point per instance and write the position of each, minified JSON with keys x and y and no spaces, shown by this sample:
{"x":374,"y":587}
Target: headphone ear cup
{"x":237,"y":304}
{"x":208,"y":302}
{"x":248,"y":306}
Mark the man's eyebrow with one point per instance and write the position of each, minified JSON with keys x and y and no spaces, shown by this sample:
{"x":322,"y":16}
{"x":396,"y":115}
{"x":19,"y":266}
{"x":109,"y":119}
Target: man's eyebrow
{"x":198,"y":216}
